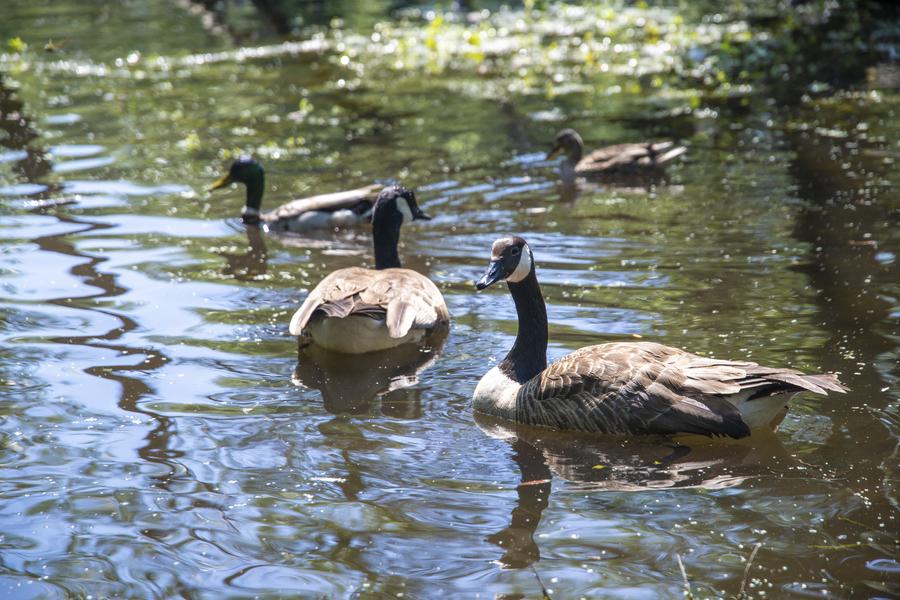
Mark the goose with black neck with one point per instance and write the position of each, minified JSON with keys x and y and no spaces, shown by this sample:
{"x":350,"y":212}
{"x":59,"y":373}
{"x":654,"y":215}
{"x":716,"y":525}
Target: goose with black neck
{"x":358,"y":310}
{"x":628,"y":388}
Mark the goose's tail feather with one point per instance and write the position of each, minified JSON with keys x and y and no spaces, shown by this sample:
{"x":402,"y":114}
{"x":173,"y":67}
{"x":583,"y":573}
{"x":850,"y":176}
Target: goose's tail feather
{"x":819,"y":383}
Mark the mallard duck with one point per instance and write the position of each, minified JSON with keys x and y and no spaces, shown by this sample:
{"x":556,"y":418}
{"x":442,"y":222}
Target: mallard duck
{"x":327,"y":211}
{"x":625,"y":387}
{"x":357,"y":310}
{"x":620,"y":159}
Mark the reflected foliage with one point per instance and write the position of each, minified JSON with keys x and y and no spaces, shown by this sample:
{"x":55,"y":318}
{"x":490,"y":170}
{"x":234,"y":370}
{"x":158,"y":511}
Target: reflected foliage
{"x":153,"y":443}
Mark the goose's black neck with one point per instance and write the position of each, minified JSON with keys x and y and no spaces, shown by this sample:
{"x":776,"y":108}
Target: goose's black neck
{"x":386,"y":236}
{"x":528,"y":356}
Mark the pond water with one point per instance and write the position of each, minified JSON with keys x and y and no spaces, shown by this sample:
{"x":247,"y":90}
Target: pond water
{"x":155,"y":439}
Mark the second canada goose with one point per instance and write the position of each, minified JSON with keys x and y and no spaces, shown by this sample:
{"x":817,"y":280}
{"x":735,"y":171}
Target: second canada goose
{"x":620,"y":159}
{"x":624,"y":387}
{"x":357,"y":310}
{"x":326,"y":211}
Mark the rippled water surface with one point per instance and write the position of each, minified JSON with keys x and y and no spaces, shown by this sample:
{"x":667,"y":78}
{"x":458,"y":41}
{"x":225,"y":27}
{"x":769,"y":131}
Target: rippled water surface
{"x":156,"y":441}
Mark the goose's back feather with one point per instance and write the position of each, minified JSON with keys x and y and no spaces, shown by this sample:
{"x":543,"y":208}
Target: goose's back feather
{"x":404,"y":299}
{"x":629,"y":157}
{"x":357,"y":204}
{"x":645,"y":387}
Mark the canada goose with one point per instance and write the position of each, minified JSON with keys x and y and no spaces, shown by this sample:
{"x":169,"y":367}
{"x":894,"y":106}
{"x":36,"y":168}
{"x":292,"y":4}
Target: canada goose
{"x":357,"y":310}
{"x":620,"y":159}
{"x":327,"y":211}
{"x":624,"y":387}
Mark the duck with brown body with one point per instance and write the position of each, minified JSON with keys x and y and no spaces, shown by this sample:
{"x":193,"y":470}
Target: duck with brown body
{"x":323,"y":212}
{"x":640,"y":159}
{"x":357,"y":310}
{"x":625,"y":387}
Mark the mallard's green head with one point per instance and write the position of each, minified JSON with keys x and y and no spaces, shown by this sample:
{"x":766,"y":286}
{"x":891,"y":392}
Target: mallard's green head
{"x":244,"y":170}
{"x":249,"y":172}
{"x":569,"y":143}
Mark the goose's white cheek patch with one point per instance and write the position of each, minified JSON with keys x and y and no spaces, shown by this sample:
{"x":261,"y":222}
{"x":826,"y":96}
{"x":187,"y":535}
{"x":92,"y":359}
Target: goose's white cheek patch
{"x":403,"y":207}
{"x":523,"y":268}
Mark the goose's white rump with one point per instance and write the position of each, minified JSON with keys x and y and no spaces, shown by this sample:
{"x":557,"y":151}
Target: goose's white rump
{"x":357,"y":310}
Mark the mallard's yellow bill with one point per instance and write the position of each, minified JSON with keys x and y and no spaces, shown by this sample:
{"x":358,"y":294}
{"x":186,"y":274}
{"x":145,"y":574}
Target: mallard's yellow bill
{"x":552,"y":154}
{"x":221,"y":182}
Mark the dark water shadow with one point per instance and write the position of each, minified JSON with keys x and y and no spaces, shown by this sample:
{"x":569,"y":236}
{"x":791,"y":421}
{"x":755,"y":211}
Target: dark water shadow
{"x":844,"y":208}
{"x":19,"y":134}
{"x":598,"y":464}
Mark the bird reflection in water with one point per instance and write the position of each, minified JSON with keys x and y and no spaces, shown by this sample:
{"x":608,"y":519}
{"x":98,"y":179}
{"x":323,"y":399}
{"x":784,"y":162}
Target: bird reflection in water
{"x":249,"y":265}
{"x":612,"y":463}
{"x":349,"y":384}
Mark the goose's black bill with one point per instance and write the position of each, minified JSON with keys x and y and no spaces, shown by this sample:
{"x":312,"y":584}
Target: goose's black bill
{"x":493,"y":274}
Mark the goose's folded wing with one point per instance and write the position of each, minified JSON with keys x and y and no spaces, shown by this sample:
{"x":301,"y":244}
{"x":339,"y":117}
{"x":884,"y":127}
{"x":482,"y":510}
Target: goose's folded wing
{"x":339,"y":292}
{"x":622,"y":388}
{"x":400,"y":316}
{"x":325,"y":202}
{"x":410,"y":299}
{"x":724,"y":377}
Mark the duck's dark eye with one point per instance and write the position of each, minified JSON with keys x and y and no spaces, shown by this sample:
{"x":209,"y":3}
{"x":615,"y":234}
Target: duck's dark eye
{"x":514,"y":251}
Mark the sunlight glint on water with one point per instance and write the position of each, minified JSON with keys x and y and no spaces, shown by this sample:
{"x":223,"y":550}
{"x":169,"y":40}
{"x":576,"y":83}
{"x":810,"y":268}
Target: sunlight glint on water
{"x":153,"y":444}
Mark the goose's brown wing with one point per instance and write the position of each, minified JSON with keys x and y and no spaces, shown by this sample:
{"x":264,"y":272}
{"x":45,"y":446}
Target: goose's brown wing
{"x":360,"y":199}
{"x":404,"y":298}
{"x":410,"y":300}
{"x":645,"y":387}
{"x":336,"y":292}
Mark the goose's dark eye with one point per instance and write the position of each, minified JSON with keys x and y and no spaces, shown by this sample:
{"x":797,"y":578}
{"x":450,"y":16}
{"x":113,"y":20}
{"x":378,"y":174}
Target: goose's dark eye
{"x":514,"y":251}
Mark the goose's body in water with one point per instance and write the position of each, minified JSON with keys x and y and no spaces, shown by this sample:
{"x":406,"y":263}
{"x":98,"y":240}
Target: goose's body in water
{"x":628,"y":160}
{"x":336,"y":210}
{"x":625,"y":387}
{"x":357,"y":310}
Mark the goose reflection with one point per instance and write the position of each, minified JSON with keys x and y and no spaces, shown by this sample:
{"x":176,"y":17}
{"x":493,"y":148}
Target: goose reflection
{"x":616,"y":464}
{"x":249,"y":265}
{"x":349,"y":383}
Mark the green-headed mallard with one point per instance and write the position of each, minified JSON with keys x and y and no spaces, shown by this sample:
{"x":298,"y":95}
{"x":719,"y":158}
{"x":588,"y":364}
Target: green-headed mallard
{"x":357,"y":310}
{"x":620,"y":159}
{"x":624,"y":387}
{"x":327,"y":211}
